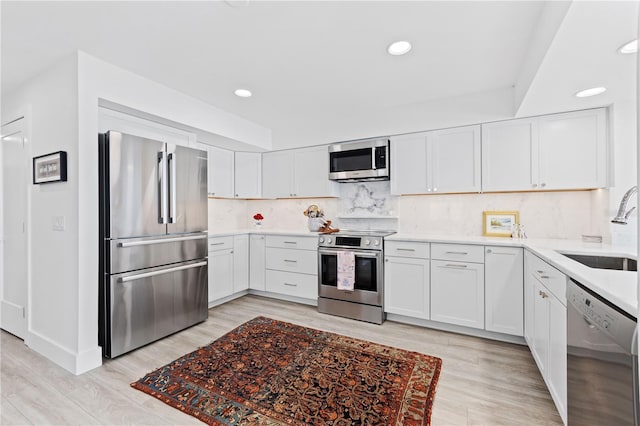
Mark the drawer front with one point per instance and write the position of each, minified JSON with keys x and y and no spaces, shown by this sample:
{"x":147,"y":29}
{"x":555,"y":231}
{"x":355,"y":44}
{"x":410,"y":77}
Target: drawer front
{"x":301,"y":261}
{"x":295,"y":242}
{"x":220,"y":243}
{"x":406,"y":249}
{"x":292,"y":284}
{"x":554,"y":280}
{"x":458,"y":252}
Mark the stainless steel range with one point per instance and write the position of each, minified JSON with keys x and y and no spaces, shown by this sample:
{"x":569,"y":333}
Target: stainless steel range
{"x":365,"y":301}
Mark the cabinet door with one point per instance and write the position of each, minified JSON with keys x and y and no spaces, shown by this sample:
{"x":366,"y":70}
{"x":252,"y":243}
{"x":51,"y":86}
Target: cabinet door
{"x":257,"y":263}
{"x":503,"y":272}
{"x":277,"y":174}
{"x":557,"y":371}
{"x":454,"y":156}
{"x":220,"y":274}
{"x":509,"y":153}
{"x":573,"y":150}
{"x":409,"y":164}
{"x":406,"y":290}
{"x":220,"y":172}
{"x":457,"y":293}
{"x":248,"y":175}
{"x":529,"y":322}
{"x":311,"y":173}
{"x":240,"y":263}
{"x":540,"y":349}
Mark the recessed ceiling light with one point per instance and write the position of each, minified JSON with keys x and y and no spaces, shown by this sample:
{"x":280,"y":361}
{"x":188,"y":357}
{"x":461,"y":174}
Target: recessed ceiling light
{"x":243,"y":93}
{"x":399,"y":48}
{"x":630,"y":47}
{"x":591,"y":92}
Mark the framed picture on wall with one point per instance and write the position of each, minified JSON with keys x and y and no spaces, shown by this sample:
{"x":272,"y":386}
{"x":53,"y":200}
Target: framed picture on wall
{"x":50,"y":168}
{"x":499,"y":223}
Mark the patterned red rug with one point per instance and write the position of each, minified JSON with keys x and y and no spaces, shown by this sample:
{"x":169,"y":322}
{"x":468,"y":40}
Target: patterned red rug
{"x":268,"y":372}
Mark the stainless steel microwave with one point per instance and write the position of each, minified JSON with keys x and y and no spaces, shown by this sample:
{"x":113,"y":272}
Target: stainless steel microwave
{"x":360,"y":160}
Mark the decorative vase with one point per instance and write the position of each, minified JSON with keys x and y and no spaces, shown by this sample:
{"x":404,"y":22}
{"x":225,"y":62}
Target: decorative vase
{"x":314,"y":224}
{"x":258,"y":223}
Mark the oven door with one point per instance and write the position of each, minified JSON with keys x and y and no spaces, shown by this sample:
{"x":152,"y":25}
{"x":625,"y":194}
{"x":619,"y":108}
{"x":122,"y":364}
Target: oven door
{"x":368,"y":287}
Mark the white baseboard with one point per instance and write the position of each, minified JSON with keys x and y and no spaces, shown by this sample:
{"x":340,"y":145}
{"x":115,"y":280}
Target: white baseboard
{"x":76,"y":363}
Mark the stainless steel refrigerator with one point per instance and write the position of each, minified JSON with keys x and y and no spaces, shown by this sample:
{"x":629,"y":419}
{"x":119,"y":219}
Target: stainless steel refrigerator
{"x":153,"y":240}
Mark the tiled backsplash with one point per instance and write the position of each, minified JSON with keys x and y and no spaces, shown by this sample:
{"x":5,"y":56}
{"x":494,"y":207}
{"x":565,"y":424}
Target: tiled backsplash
{"x":566,"y":214}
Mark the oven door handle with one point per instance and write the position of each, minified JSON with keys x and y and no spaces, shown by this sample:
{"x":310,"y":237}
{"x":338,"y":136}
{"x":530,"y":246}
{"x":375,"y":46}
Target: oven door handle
{"x":357,"y":253}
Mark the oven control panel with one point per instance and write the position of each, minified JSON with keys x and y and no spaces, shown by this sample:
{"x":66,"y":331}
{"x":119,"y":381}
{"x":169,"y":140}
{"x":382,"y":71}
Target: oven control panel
{"x":345,"y":241}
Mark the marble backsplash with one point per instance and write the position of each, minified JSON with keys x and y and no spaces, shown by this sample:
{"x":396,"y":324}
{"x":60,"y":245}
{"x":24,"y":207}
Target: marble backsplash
{"x":562,"y":214}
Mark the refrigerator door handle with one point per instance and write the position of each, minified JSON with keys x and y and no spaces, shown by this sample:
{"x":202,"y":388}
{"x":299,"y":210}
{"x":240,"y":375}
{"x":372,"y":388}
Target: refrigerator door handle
{"x":160,"y":241}
{"x":162,"y":187}
{"x":160,"y":272}
{"x":173,"y":207}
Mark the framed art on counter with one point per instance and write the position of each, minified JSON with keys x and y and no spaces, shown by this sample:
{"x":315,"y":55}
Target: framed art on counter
{"x":499,"y":223}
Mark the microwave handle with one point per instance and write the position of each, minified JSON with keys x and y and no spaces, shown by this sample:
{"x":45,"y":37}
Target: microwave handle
{"x":373,"y":158}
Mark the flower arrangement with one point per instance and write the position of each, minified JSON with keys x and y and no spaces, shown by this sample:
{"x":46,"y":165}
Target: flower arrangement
{"x":258,"y":218}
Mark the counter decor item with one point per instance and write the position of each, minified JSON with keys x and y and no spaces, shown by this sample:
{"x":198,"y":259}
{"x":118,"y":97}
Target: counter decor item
{"x":258,"y":218}
{"x":499,"y":223}
{"x":317,"y":222}
{"x":234,"y":379}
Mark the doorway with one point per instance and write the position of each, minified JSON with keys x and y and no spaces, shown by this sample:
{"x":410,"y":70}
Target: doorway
{"x":14,"y":231}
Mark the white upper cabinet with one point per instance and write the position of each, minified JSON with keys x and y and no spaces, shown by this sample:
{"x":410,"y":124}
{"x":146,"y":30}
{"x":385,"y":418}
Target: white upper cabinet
{"x":440,"y":161}
{"x":297,"y":173}
{"x":509,"y":151}
{"x":277,"y":174}
{"x":558,"y":151}
{"x":248,"y":175}
{"x":220,"y":172}
{"x":573,"y":150}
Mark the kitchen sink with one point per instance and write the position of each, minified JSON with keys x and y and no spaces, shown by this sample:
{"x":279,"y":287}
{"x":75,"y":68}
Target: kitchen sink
{"x":605,"y":262}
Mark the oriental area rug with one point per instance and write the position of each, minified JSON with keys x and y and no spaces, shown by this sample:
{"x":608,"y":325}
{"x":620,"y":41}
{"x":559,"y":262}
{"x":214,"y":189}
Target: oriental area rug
{"x":268,"y":372}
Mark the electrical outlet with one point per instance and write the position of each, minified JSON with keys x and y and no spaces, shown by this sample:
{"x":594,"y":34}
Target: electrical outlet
{"x":57,"y":223}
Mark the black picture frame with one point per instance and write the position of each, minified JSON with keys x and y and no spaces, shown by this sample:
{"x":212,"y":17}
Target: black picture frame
{"x":50,"y":168}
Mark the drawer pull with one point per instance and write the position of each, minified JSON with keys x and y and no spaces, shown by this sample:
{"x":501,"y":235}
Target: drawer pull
{"x":216,"y":244}
{"x":449,"y":265}
{"x":290,"y":261}
{"x":541,"y":273}
{"x":290,"y":242}
{"x":405,"y":249}
{"x":291,"y":285}
{"x":543,"y":294}
{"x":456,"y":252}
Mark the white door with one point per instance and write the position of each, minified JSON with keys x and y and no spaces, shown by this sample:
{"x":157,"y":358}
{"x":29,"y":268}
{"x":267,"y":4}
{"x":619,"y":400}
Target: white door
{"x":311,"y":173}
{"x":409,"y":164}
{"x":277,"y":174}
{"x":15,"y":181}
{"x":240,"y":263}
{"x":220,"y":274}
{"x":257,"y":262}
{"x":220,"y":172}
{"x":503,"y":272}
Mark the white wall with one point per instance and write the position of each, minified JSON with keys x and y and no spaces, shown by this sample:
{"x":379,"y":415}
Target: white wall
{"x":52,"y":327}
{"x":63,"y":306}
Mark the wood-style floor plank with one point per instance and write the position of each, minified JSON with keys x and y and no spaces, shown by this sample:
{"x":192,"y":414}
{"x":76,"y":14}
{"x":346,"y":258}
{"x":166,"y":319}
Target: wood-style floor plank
{"x":482,"y":382}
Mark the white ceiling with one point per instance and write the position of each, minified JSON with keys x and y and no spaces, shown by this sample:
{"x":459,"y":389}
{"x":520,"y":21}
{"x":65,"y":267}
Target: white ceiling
{"x":312,"y":66}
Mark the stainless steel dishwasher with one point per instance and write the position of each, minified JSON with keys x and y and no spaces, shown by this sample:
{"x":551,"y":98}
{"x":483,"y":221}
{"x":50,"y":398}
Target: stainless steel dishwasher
{"x":602,"y":361}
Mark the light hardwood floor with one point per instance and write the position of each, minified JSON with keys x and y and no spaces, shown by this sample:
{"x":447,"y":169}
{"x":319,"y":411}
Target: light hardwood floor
{"x":482,"y":382}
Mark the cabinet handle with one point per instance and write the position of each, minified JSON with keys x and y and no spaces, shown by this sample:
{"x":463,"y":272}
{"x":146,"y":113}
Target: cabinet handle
{"x":543,"y":184}
{"x":290,"y":261}
{"x":450,"y":265}
{"x":216,"y":244}
{"x":535,"y":185}
{"x":386,"y":260}
{"x":489,"y":251}
{"x":405,"y":249}
{"x":543,"y":294}
{"x":290,"y":242}
{"x":456,"y":252}
{"x":435,"y":189}
{"x":291,"y":285}
{"x":541,"y":274}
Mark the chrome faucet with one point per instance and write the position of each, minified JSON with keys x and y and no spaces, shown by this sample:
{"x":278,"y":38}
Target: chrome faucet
{"x":622,"y":216}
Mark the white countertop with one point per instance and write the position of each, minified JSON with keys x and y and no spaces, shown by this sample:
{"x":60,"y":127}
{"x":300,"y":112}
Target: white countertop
{"x":619,"y":287}
{"x":264,"y":232}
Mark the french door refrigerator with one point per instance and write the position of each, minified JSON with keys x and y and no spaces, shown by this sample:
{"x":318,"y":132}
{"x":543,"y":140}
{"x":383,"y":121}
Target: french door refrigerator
{"x":153,"y":240}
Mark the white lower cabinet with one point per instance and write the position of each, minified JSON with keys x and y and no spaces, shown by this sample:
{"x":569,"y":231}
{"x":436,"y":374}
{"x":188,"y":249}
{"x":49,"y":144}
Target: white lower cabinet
{"x":406,"y":290}
{"x":292,"y":266}
{"x":457,"y":293}
{"x":220,"y":274}
{"x":240,"y":263}
{"x":257,"y":262}
{"x":546,"y":326}
{"x":503,"y":286}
